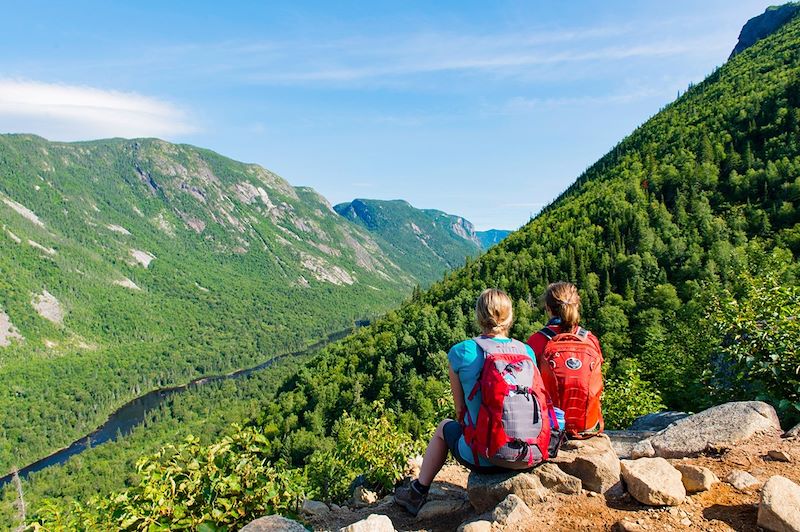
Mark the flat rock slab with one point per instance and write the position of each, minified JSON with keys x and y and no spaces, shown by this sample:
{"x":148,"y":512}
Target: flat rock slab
{"x":722,"y":426}
{"x":653,"y":481}
{"x":273,"y":523}
{"x":793,"y":432}
{"x":487,"y":491}
{"x":779,"y":508}
{"x":696,"y":478}
{"x":593,"y":461}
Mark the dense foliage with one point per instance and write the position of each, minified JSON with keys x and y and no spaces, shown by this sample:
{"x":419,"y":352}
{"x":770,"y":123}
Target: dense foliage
{"x":657,"y":234}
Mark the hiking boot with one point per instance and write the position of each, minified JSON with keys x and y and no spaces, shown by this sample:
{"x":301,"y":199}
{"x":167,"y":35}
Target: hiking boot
{"x":410,"y":499}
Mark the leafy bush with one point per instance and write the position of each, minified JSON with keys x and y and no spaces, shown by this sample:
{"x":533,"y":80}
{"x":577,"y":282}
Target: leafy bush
{"x":192,"y":487}
{"x":374,"y":448}
{"x":759,"y":356}
{"x":628,"y":396}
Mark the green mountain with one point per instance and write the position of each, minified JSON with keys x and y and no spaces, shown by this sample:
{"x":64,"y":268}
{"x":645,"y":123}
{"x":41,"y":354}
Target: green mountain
{"x":127,"y":265}
{"x":491,"y":237}
{"x":425,"y":242}
{"x":684,"y":241}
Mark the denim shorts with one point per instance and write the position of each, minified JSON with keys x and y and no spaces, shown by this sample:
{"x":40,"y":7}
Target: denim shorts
{"x":452,"y":434}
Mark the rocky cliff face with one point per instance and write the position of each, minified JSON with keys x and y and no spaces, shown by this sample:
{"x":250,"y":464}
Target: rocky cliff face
{"x":764,"y":25}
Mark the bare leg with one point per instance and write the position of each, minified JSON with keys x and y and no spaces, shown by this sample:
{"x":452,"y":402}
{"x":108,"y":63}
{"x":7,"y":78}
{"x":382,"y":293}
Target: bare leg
{"x":435,"y":456}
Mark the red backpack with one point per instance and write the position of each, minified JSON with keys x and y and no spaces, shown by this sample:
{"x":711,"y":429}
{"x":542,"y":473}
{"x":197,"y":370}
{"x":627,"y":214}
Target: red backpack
{"x":576,"y":364}
{"x":514,"y":419}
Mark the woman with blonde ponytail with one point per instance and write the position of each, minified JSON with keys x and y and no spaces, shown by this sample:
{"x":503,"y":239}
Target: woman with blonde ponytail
{"x":570,"y":360}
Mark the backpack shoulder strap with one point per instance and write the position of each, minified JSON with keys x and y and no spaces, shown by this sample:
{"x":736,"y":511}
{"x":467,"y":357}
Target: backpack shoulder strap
{"x":548,"y":332}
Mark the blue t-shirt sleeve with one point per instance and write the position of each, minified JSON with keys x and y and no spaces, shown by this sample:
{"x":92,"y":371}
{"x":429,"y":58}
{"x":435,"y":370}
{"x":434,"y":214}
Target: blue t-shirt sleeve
{"x":457,"y":356}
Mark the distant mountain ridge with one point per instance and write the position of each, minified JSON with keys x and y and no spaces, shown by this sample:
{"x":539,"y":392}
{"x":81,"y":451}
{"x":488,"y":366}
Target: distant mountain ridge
{"x":424,"y":242}
{"x":127,"y":265}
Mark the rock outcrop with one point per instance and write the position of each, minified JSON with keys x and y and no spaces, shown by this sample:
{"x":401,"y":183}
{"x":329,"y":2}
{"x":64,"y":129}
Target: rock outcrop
{"x":717,"y":428}
{"x":779,"y":508}
{"x":764,"y":25}
{"x":487,"y":491}
{"x":656,"y":421}
{"x":653,"y":481}
{"x":593,"y":461}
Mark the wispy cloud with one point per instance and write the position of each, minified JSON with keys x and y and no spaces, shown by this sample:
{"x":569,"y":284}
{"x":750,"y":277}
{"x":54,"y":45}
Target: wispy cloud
{"x":70,"y":112}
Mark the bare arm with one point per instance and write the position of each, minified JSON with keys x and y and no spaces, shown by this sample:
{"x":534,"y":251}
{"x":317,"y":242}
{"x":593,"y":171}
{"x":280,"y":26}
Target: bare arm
{"x":458,"y":395}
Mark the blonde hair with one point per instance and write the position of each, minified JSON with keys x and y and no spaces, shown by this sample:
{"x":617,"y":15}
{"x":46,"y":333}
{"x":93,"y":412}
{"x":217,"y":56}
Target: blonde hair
{"x":494,"y":312}
{"x":563,"y":301}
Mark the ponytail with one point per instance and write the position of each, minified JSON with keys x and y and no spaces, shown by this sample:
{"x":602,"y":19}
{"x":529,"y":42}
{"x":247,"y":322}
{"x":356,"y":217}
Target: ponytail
{"x":564,"y":302}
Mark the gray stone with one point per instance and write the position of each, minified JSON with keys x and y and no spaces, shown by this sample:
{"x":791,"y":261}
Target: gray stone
{"x":643,"y":449}
{"x":511,"y":510}
{"x":373,"y":523}
{"x":314,"y":507}
{"x":779,"y":508}
{"x":657,"y":421}
{"x":741,"y":480}
{"x":653,"y":481}
{"x":780,"y":456}
{"x":793,"y":432}
{"x":476,"y":526}
{"x":593,"y":461}
{"x":440,"y":508}
{"x":696,"y":478}
{"x":273,"y":523}
{"x":486,"y":491}
{"x":554,"y":479}
{"x":722,"y":426}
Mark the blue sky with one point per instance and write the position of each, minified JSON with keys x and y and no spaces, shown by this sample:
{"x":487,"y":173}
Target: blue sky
{"x":482,"y":109}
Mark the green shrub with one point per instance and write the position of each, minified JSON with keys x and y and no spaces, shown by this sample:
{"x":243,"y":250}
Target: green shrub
{"x":628,"y":396}
{"x":374,"y":448}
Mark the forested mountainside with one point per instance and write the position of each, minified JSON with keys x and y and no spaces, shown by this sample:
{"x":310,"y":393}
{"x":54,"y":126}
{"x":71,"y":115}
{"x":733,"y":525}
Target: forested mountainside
{"x":424,"y":241}
{"x":683,"y":240}
{"x":127,"y":265}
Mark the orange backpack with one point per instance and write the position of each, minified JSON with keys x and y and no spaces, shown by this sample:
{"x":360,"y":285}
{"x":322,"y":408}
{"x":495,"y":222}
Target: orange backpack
{"x":576,"y":364}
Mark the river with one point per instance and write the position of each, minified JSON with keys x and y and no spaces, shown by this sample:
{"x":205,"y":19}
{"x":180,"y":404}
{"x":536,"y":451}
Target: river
{"x":127,"y":417}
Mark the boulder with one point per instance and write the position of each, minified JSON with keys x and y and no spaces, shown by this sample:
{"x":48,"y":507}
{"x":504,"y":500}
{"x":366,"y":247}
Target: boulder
{"x":657,"y":421}
{"x":741,"y":480}
{"x":373,"y":523}
{"x":793,"y":432}
{"x":722,"y":426}
{"x":486,"y":491}
{"x":273,"y":523}
{"x":780,"y":456}
{"x":643,"y":449}
{"x":696,"y":478}
{"x":314,"y":507}
{"x":476,"y":526}
{"x":511,"y":510}
{"x":653,"y":481}
{"x":593,"y":461}
{"x":554,"y":479}
{"x":440,"y":508}
{"x":779,"y":508}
